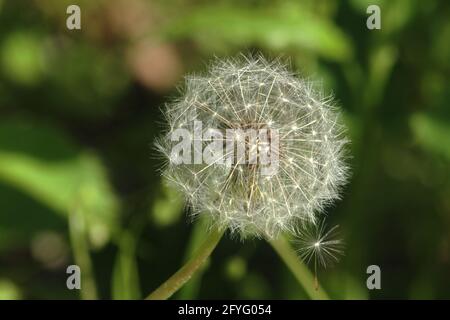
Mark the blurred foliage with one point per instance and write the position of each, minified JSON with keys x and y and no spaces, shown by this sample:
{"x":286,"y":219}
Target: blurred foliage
{"x":79,"y":109}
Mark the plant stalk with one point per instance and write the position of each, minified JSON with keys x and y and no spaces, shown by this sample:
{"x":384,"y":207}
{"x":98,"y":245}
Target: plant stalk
{"x":299,"y":269}
{"x":178,"y":279}
{"x":80,"y":248}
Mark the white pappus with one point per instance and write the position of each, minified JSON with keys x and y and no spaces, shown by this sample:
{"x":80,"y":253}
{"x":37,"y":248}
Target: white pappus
{"x":254,"y":93}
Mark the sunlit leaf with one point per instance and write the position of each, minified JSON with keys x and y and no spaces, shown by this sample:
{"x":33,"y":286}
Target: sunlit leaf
{"x":22,"y":58}
{"x":9,"y":290}
{"x":58,"y":176}
{"x":274,"y":28}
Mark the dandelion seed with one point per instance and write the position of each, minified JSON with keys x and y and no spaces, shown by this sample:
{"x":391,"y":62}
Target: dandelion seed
{"x":319,"y":246}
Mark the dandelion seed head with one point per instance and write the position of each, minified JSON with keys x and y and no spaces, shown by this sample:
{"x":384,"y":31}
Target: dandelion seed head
{"x":251,"y":92}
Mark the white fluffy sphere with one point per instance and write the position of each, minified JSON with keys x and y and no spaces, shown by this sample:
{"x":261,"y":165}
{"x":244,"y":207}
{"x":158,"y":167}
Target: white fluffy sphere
{"x":252,"y":93}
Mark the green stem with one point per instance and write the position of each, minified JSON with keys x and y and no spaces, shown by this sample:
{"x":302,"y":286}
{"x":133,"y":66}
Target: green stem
{"x":177,"y":280}
{"x":191,"y":289}
{"x":298,"y":268}
{"x":80,"y":247}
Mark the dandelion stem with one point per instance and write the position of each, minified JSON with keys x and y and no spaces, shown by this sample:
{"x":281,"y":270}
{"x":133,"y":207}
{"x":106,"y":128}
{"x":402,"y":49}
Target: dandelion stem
{"x":178,"y":279}
{"x":299,"y":269}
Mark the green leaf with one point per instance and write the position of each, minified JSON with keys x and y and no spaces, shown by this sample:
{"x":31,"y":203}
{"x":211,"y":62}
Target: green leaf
{"x":42,"y":163}
{"x":432,"y":134}
{"x":381,"y":62}
{"x":168,"y":207}
{"x":277,"y":28}
{"x":22,"y":58}
{"x":9,"y":290}
{"x":21,"y":218}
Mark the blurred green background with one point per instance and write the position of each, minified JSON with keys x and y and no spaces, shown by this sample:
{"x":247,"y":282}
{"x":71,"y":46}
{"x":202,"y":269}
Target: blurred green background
{"x":79,"y":110}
